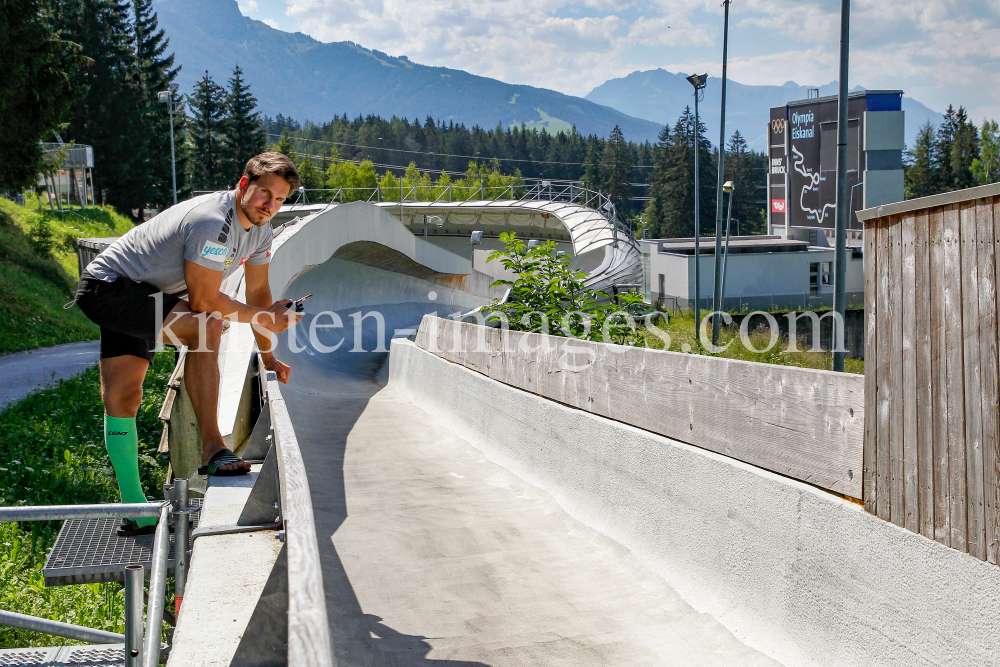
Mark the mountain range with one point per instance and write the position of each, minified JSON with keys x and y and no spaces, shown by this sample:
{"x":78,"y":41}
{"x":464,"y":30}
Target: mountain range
{"x":298,"y":76}
{"x":303,"y":78}
{"x":661,"y":96}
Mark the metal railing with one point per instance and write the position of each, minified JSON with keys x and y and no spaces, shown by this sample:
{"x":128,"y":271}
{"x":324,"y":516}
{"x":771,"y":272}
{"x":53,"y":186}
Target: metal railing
{"x":142,"y":649}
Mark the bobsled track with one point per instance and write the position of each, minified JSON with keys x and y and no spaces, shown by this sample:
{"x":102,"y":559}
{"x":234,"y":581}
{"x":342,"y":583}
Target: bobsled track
{"x":457,"y":496}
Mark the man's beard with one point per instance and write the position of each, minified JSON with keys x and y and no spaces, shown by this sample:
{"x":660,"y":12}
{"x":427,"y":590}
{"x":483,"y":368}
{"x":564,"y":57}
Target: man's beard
{"x":247,"y":211}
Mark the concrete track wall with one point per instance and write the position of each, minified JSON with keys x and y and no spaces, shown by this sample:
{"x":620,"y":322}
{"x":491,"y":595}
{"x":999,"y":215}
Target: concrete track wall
{"x":795,"y":572}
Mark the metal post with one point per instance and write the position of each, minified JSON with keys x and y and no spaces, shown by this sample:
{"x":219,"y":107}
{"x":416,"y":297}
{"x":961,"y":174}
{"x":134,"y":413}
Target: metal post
{"x":725,"y":258}
{"x":58,"y":628}
{"x":697,"y":224}
{"x":843,"y":208}
{"x":134,"y":577}
{"x":173,"y":157}
{"x":181,"y":532}
{"x":157,"y":590}
{"x":717,"y":296}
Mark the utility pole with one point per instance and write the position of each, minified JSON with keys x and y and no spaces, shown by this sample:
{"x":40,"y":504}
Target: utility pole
{"x":698,"y":81}
{"x":167,"y":96}
{"x":717,"y":295}
{"x":843,"y":207}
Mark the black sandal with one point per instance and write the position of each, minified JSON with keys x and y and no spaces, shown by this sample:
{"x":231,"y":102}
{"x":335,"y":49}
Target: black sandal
{"x":219,"y":459}
{"x":130,"y":528}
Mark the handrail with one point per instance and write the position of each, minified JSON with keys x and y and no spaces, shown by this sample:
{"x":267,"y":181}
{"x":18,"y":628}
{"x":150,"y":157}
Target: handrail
{"x":309,"y":642}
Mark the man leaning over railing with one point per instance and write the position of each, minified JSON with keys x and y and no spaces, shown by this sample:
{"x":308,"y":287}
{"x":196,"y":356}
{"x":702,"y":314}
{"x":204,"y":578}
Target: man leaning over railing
{"x":189,"y":248}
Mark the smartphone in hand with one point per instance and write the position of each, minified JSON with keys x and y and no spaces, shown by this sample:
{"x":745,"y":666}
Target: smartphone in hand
{"x":298,"y":303}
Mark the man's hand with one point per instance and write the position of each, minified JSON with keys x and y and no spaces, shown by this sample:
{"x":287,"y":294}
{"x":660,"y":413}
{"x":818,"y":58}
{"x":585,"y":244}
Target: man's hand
{"x":277,"y":317}
{"x":280,"y":369}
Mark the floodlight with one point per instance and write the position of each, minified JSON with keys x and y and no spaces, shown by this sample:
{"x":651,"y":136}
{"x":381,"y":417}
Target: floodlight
{"x":727,"y":186}
{"x":477,"y":238}
{"x":546,"y":184}
{"x":698,"y":80}
{"x":532,"y":243}
{"x":607,"y":206}
{"x":163,"y":96}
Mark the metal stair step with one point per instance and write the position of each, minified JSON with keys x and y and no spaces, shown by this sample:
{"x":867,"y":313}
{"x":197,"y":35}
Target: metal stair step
{"x":89,"y":551}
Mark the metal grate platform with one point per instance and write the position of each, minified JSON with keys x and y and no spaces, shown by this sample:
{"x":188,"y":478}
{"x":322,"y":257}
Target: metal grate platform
{"x":100,"y":655}
{"x":89,"y":551}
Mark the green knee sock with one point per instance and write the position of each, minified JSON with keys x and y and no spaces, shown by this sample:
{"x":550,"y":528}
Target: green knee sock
{"x":123,"y":447}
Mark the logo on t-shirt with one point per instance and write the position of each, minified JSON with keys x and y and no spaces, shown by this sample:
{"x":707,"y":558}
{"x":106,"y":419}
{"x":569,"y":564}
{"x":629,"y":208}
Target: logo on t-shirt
{"x":214,"y":251}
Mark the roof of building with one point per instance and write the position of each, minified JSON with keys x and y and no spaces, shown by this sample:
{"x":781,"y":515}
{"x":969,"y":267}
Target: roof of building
{"x":737,"y":244}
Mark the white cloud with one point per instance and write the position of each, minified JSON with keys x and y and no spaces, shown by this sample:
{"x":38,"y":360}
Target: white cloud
{"x":938,"y":51}
{"x":270,"y":22}
{"x":247,"y":6}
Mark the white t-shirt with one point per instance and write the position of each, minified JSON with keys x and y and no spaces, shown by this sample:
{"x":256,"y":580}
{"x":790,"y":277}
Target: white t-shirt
{"x":204,"y":230}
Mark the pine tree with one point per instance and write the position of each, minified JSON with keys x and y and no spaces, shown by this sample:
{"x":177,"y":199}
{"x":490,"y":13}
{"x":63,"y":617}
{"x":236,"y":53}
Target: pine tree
{"x":678,"y":181}
{"x":655,"y":209}
{"x":208,"y":106}
{"x":740,"y":170}
{"x":156,"y":74}
{"x":35,"y":91}
{"x":592,"y":176}
{"x":284,"y":145}
{"x":986,"y":168}
{"x":964,"y":150}
{"x":920,"y":179}
{"x":245,"y":134}
{"x":617,"y":167}
{"x":941,"y":162}
{"x":106,"y":117}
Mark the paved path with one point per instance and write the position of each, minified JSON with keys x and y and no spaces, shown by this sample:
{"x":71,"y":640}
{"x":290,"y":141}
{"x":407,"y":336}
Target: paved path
{"x":24,"y":372}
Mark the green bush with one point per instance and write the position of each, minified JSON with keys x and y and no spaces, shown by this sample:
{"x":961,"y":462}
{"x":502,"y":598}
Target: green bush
{"x":41,"y":237}
{"x":549,"y":296}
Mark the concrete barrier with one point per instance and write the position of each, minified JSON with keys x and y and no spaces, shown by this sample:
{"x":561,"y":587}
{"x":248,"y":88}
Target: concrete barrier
{"x":791,"y":570}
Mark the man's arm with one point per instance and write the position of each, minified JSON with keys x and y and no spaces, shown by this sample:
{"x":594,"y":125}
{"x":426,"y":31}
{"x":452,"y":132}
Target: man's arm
{"x":259,"y":294}
{"x":204,"y":297}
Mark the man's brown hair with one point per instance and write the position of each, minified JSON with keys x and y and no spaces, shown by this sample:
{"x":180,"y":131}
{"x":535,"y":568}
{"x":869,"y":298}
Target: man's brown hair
{"x":272,"y":163}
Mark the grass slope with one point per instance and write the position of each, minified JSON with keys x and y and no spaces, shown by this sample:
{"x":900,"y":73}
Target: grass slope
{"x":33,"y":286}
{"x":52,"y":452}
{"x":683,"y":338}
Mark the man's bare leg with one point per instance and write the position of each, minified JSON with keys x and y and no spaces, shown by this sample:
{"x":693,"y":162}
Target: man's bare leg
{"x":202,"y":335}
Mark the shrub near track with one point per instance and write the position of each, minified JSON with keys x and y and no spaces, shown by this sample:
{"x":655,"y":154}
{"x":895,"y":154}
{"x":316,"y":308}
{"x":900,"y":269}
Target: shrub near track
{"x":52,"y":452}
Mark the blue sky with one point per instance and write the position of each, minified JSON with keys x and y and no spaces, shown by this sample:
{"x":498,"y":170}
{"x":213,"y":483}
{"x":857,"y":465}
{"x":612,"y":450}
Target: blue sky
{"x":938,"y":51}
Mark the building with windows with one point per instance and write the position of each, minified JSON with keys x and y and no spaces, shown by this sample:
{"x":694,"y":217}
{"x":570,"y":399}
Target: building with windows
{"x":762,"y":272}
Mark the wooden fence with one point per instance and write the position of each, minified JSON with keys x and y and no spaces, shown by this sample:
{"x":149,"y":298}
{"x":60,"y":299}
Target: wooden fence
{"x":799,"y":422}
{"x":931,"y":452}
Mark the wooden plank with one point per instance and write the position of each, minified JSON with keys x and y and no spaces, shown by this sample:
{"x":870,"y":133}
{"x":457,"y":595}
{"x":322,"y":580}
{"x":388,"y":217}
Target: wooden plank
{"x":803,"y":423}
{"x":990,"y":364}
{"x":886,"y":312}
{"x":870,"y":452}
{"x":168,"y":404}
{"x":894,"y":272}
{"x":164,"y":446}
{"x":922,"y":355}
{"x":908,"y":371}
{"x":975,"y":530}
{"x":955,"y":381}
{"x":939,"y":379}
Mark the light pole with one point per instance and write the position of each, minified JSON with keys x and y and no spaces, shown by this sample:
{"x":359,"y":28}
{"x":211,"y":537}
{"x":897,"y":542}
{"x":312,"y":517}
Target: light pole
{"x":843,"y":207}
{"x":726,"y":187}
{"x":717,"y":295}
{"x":167,"y":96}
{"x":698,"y":81}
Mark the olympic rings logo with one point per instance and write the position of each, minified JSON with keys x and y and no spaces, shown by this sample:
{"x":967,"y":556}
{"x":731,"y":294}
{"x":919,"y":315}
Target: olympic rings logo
{"x":778,"y":125}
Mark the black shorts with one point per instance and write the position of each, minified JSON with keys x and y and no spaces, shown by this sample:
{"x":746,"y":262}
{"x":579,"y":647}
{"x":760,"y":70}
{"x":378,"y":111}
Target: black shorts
{"x":126,"y":312}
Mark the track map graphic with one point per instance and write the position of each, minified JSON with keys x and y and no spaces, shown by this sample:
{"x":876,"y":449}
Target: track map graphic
{"x":812,"y":183}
